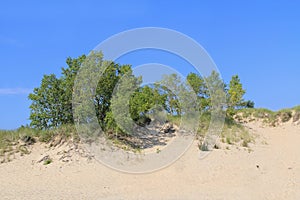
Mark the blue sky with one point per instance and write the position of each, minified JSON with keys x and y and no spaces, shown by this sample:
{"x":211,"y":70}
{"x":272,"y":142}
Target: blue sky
{"x":258,"y":40}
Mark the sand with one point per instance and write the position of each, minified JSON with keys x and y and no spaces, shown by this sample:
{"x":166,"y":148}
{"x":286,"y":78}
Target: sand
{"x":270,"y":171}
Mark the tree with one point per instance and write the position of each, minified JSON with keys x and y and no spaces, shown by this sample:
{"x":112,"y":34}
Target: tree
{"x":235,"y":93}
{"x":120,"y":102}
{"x":235,"y":96}
{"x":67,"y":84}
{"x":114,"y":93}
{"x":105,"y":89}
{"x":216,"y":92}
{"x":52,"y":101}
{"x":141,"y":101}
{"x":46,"y":108}
{"x":170,"y":86}
{"x":200,"y":88}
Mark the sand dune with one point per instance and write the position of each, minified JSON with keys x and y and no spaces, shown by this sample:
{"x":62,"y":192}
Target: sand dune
{"x":270,"y":171}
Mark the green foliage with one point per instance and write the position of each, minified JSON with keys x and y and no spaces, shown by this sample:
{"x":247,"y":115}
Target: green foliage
{"x":120,"y":101}
{"x":67,"y":84}
{"x":232,"y":132}
{"x":115,"y":94}
{"x":235,"y":92}
{"x":215,"y":94}
{"x":46,"y":108}
{"x":48,"y":161}
{"x":296,"y":108}
{"x":105,"y":89}
{"x":141,"y":101}
{"x":52,"y":102}
{"x":235,"y":96}
{"x":170,"y":86}
{"x":201,"y":90}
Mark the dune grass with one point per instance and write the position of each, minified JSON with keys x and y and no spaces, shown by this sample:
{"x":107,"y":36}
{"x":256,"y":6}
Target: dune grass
{"x":269,"y":117}
{"x":233,"y":133}
{"x":11,"y":138}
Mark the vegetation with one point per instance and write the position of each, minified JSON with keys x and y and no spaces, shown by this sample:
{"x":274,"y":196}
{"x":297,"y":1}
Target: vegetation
{"x":170,"y":99}
{"x":268,"y":117}
{"x":52,"y":102}
{"x":48,"y":161}
{"x":233,"y":133}
{"x":118,"y":89}
{"x":18,"y":141}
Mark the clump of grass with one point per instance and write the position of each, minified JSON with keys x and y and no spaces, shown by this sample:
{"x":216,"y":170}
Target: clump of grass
{"x":174,"y":119}
{"x":228,"y":140}
{"x":23,"y":150}
{"x":65,"y":131}
{"x":245,"y":144}
{"x":296,"y":108}
{"x":233,"y":133}
{"x":158,"y":150}
{"x":285,"y":115}
{"x":10,"y":139}
{"x":267,"y":116}
{"x":245,"y":112}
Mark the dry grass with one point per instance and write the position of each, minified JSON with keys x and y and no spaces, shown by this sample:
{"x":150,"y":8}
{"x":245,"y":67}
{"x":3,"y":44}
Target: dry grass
{"x":232,"y":133}
{"x":17,"y":141}
{"x":268,"y":117}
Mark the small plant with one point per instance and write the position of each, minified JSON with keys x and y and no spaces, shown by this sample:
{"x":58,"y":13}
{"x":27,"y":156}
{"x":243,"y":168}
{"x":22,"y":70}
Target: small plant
{"x":228,"y":141}
{"x":23,"y":150}
{"x":245,"y":144}
{"x":158,"y":150}
{"x":47,"y":161}
{"x":285,"y":115}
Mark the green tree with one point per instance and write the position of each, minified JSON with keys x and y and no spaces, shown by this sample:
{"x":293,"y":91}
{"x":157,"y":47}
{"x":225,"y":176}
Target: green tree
{"x":46,"y":108}
{"x":235,"y":93}
{"x":52,"y":101}
{"x":200,"y":88}
{"x":141,"y":101}
{"x":115,"y":94}
{"x":235,"y":96}
{"x":67,"y":84}
{"x":105,"y":89}
{"x":170,"y":86}
{"x":120,"y":102}
{"x":216,"y":92}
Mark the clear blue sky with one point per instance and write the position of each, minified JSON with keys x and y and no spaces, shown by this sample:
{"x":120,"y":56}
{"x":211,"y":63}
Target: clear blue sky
{"x":258,"y":40}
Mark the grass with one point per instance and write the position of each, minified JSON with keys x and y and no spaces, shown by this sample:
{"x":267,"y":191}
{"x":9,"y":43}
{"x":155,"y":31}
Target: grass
{"x":174,"y":119}
{"x":269,"y":117}
{"x":10,"y":141}
{"x":296,"y":108}
{"x":233,"y":133}
{"x":285,"y":115}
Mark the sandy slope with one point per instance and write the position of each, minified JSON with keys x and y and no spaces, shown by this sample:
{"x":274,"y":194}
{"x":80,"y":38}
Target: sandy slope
{"x":271,"y":171}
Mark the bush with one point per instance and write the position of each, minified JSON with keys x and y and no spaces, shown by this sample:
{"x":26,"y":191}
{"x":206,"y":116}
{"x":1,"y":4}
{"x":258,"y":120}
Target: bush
{"x":285,"y":115}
